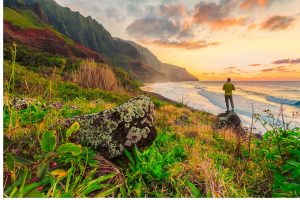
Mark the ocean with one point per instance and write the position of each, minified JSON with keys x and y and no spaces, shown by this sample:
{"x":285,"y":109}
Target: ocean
{"x":209,"y":96}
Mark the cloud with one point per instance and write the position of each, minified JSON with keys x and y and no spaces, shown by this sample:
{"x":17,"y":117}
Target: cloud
{"x":217,"y":16}
{"x":254,"y":65}
{"x":230,"y":68}
{"x":250,"y":4}
{"x":170,"y":10}
{"x":282,"y":69}
{"x":287,"y":61}
{"x":277,"y":23}
{"x":200,"y":44}
{"x":153,"y":28}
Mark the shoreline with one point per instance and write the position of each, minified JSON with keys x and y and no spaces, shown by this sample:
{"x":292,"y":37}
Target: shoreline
{"x":258,"y":135}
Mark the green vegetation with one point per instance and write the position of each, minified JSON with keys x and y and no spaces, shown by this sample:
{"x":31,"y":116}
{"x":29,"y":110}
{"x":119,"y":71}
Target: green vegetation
{"x":187,"y":159}
{"x":24,"y":19}
{"x":279,"y":150}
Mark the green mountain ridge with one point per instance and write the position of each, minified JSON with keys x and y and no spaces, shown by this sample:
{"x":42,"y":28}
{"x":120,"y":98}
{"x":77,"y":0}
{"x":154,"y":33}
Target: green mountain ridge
{"x":88,"y":32}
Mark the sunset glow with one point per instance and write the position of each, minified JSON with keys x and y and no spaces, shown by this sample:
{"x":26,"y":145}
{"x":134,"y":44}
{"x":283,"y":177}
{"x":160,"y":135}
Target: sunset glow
{"x":247,"y":40}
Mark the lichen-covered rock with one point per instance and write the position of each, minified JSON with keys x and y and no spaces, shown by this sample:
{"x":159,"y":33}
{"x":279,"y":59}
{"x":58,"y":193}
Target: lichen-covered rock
{"x":227,"y":120}
{"x":110,"y":131}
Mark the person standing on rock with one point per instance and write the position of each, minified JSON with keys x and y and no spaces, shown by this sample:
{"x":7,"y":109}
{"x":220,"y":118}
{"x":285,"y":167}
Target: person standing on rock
{"x":228,"y":87}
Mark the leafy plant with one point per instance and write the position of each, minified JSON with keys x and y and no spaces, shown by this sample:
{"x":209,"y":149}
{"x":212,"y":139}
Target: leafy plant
{"x":153,"y":166}
{"x":60,"y":170}
{"x":280,"y":150}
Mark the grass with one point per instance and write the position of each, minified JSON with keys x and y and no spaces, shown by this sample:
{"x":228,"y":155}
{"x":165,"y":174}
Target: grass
{"x":93,"y":75}
{"x":187,"y":159}
{"x":24,"y":19}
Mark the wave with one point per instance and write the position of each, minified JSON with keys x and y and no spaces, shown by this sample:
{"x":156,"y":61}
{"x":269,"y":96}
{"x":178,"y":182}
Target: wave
{"x":273,"y":99}
{"x":284,"y":101}
{"x":251,"y":92}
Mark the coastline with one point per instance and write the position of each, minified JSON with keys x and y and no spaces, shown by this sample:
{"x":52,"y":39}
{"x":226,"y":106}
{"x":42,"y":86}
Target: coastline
{"x":258,"y":135}
{"x":161,"y":97}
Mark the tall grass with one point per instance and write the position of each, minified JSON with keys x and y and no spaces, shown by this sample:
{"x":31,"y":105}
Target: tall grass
{"x":95,"y":75}
{"x":11,"y":83}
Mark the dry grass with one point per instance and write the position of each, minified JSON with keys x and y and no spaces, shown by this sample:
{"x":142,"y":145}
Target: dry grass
{"x":215,"y":179}
{"x":95,"y":75}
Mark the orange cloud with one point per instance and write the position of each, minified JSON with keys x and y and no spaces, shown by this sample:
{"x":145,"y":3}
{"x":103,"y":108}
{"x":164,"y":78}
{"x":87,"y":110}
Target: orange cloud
{"x":254,"y":65}
{"x":249,"y":4}
{"x":221,"y":24}
{"x":217,"y":16}
{"x":183,"y":45}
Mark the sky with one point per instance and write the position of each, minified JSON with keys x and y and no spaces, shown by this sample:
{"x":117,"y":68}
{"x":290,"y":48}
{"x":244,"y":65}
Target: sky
{"x":212,"y":39}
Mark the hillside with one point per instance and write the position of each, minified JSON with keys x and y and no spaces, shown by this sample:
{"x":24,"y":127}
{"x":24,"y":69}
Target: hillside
{"x":89,"y":38}
{"x":24,"y":27}
{"x":172,"y":72}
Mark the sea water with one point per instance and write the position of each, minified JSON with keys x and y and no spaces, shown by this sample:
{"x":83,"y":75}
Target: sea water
{"x":249,"y":97}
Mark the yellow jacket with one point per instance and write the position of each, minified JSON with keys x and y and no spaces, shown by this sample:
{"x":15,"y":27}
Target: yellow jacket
{"x":228,"y":87}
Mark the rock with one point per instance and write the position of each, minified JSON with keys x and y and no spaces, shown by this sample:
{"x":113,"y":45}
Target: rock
{"x":182,"y":120}
{"x":112,"y":130}
{"x":55,"y":105}
{"x":227,"y":120}
{"x":22,"y":103}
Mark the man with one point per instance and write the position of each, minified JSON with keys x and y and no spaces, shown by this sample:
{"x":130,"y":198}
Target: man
{"x":228,"y":87}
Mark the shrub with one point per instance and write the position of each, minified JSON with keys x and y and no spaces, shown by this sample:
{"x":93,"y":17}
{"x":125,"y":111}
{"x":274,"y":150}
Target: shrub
{"x":93,"y":75}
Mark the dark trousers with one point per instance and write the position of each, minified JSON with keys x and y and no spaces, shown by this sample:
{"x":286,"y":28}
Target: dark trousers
{"x":229,"y":97}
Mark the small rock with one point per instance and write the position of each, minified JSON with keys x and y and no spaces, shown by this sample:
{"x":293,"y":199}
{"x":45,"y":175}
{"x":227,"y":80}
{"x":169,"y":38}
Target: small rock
{"x":227,"y":120}
{"x":56,"y":105}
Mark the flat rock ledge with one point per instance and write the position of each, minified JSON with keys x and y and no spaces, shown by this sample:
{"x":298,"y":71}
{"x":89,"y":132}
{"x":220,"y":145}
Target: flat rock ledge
{"x":111,"y":131}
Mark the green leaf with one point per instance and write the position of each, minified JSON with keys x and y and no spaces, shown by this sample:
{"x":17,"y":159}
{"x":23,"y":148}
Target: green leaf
{"x":69,"y":148}
{"x":195,"y":192}
{"x":34,"y":194}
{"x":294,"y":163}
{"x":107,"y":192}
{"x":74,"y":127}
{"x":23,"y":161}
{"x":48,"y":142}
{"x":67,"y":194}
{"x":41,"y":169}
{"x":10,"y":162}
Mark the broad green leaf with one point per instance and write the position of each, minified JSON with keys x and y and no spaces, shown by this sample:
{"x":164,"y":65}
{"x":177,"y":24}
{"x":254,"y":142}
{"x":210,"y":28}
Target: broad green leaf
{"x":69,"y":148}
{"x":74,"y":127}
{"x":59,"y":173}
{"x":41,"y":169}
{"x":48,"y":142}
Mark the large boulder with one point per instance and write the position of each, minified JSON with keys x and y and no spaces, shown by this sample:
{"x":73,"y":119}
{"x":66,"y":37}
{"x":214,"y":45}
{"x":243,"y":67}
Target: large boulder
{"x":111,"y":131}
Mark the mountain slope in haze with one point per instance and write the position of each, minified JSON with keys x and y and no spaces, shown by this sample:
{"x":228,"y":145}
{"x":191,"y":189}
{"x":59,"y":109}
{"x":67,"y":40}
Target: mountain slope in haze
{"x":173,"y":72}
{"x":87,"y":32}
